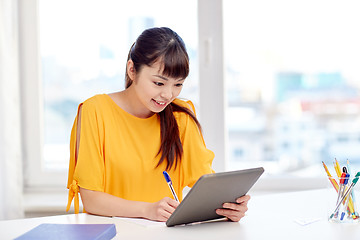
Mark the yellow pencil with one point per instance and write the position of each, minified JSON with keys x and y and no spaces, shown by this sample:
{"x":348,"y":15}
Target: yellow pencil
{"x":337,"y":168}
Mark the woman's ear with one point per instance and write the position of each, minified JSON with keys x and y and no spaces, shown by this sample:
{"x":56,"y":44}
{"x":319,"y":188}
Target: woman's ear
{"x":130,"y":69}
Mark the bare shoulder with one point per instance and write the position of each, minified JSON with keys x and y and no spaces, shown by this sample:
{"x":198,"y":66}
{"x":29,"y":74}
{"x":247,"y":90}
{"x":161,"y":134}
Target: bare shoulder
{"x":119,"y":98}
{"x":114,"y":94}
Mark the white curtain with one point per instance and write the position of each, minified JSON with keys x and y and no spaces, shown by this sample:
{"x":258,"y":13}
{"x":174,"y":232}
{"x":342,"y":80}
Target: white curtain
{"x":11,"y":180}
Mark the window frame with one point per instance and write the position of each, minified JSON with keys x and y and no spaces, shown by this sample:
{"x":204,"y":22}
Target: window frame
{"x":31,"y":101}
{"x":211,"y":83}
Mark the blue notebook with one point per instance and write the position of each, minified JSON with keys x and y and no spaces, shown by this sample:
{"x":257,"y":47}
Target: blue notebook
{"x":70,"y":231}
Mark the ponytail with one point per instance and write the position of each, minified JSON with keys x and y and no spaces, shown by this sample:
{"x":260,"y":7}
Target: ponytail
{"x":171,"y":148}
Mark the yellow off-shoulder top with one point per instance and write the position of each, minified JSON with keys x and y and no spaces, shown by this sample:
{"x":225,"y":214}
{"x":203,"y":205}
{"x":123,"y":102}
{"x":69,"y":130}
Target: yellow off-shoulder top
{"x":118,"y":153}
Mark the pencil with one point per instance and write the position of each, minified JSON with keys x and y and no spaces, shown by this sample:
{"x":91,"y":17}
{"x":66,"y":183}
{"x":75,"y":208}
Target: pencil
{"x":331,"y":179}
{"x":337,"y":168}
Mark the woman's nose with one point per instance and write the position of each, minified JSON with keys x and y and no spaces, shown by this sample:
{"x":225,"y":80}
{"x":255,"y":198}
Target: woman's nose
{"x":167,"y":93}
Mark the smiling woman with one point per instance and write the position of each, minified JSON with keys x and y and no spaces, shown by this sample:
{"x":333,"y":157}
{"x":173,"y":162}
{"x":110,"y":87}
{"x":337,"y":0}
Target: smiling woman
{"x":122,"y":142}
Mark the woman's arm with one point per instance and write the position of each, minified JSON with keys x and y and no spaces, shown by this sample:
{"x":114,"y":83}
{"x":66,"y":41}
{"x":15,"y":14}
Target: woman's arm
{"x":104,"y":204}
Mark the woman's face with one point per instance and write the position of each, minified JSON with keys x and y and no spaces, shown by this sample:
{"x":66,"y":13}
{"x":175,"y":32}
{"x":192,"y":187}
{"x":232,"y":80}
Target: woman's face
{"x":154,"y":90}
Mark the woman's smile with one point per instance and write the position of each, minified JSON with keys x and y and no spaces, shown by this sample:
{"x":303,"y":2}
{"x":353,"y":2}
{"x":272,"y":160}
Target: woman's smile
{"x":159,"y":104}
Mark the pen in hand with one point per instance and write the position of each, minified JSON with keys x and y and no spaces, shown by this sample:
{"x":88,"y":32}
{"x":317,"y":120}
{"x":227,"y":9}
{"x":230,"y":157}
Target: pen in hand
{"x":169,"y":182}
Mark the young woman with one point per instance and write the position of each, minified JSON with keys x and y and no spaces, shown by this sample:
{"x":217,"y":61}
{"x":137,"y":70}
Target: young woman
{"x":122,"y":142}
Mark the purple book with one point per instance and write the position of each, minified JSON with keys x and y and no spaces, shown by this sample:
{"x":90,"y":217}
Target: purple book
{"x":70,"y":231}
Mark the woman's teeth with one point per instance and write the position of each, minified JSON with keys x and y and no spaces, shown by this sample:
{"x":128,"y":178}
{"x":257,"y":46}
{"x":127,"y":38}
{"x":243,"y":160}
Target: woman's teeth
{"x":160,"y":103}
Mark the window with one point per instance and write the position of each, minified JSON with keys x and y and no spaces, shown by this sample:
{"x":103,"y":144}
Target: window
{"x":292,"y":84}
{"x":286,"y":72}
{"x":83,"y":48}
{"x":84,"y":56}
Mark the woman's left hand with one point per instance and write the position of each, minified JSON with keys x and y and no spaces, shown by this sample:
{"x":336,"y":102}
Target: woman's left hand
{"x":234,"y":211}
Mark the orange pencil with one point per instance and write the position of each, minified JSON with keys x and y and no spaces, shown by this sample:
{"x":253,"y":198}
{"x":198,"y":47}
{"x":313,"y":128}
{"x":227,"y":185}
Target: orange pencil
{"x":331,"y":179}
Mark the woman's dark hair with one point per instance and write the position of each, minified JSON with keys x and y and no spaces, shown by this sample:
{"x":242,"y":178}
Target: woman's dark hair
{"x":167,"y":46}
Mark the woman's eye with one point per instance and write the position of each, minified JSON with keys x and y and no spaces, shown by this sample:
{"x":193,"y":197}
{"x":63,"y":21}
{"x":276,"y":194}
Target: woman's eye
{"x":158,"y":83}
{"x":179,"y":85}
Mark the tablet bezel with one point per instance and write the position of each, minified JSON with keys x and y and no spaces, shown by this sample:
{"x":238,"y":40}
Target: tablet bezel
{"x":210,"y":192}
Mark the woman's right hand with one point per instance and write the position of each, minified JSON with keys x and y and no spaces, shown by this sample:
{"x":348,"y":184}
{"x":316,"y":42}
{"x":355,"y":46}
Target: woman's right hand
{"x":161,"y":210}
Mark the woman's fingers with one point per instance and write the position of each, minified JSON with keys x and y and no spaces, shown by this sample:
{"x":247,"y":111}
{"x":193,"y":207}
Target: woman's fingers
{"x":243,"y":199}
{"x":235,"y":211}
{"x":163,"y":209}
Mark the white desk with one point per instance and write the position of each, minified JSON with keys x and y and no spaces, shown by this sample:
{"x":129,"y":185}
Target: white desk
{"x":269,"y":217}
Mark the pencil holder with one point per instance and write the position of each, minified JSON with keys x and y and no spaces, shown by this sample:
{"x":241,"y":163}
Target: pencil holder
{"x":343,"y":208}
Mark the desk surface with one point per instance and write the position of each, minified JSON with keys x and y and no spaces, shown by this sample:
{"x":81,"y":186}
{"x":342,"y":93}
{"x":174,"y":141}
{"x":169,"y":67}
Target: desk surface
{"x":269,"y":217}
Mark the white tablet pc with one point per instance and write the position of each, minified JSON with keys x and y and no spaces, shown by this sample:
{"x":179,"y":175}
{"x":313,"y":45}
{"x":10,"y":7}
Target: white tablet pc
{"x":210,"y":192}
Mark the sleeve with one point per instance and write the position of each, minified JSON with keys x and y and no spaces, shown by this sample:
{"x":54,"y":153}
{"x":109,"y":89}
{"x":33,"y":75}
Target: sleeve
{"x":71,"y":184}
{"x":87,"y":170}
{"x":197,"y":159}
